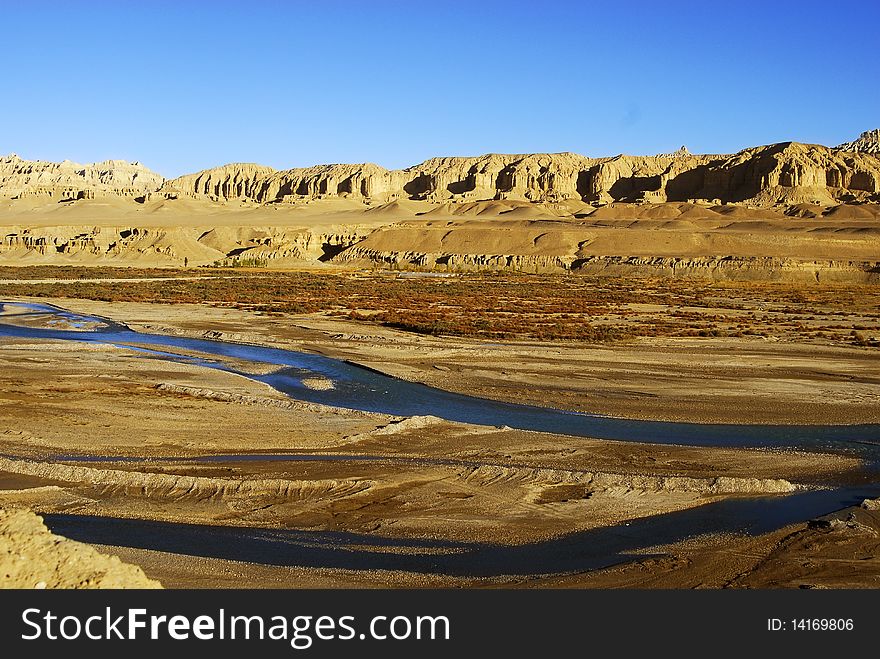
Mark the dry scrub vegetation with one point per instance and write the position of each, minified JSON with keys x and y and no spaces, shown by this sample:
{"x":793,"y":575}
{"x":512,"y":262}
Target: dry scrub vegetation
{"x":501,"y":306}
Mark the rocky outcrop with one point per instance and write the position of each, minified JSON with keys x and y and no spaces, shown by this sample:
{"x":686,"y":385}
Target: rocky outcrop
{"x":868,"y":142}
{"x":20,"y":179}
{"x":645,"y":178}
{"x":264,"y":184}
{"x":788,"y":173}
{"x":365,"y":181}
{"x":235,"y":181}
{"x":33,"y":557}
{"x":533,"y":177}
{"x":682,"y":152}
{"x":779,"y":174}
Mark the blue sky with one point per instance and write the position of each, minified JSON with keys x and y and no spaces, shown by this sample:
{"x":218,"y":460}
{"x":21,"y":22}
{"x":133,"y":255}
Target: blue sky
{"x":182,"y":86}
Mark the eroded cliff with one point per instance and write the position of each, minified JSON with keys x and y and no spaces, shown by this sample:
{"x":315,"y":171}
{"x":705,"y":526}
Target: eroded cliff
{"x":20,"y":179}
{"x":764,"y":176}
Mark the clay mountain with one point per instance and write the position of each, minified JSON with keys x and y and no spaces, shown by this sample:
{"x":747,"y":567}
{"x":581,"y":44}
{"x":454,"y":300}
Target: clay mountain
{"x":783,"y":210}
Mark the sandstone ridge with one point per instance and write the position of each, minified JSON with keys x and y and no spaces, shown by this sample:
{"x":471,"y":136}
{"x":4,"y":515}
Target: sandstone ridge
{"x":764,"y":176}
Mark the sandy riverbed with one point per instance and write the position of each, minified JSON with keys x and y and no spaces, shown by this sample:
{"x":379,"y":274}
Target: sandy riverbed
{"x":423,"y":478}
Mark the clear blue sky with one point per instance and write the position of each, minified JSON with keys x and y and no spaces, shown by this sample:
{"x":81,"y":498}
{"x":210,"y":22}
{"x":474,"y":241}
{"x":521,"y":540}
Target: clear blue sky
{"x":183,"y":86}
